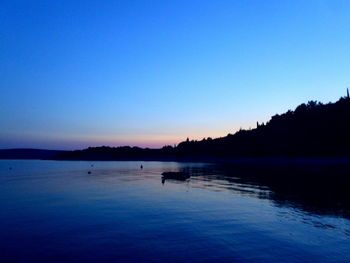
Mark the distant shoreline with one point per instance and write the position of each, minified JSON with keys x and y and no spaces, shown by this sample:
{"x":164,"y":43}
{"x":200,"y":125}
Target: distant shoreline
{"x":279,"y":161}
{"x":313,"y":133}
{"x":245,"y":161}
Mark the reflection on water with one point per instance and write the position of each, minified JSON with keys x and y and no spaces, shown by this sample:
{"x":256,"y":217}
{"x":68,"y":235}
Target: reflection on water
{"x":317,"y":189}
{"x":58,"y":211}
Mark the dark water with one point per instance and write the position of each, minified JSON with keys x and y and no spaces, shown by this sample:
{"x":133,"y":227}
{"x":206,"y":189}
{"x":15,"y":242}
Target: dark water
{"x":57,"y":212}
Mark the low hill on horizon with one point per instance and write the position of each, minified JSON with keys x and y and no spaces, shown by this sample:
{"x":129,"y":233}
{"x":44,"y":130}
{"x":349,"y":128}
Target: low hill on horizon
{"x":313,"y":129}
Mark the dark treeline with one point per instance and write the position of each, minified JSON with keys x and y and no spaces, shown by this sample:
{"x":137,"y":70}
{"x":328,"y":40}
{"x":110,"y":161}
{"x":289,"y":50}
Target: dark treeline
{"x":311,"y":130}
{"x":28,"y":154}
{"x":118,"y":153}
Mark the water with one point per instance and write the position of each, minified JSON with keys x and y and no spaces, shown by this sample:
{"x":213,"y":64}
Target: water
{"x":57,"y":212}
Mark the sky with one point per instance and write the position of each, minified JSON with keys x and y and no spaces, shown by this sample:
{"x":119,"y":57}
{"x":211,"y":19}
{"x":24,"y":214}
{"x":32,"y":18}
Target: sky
{"x":85,"y":73}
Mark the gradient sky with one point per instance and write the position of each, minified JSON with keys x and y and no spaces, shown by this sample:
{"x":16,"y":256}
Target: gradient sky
{"x":87,"y":73}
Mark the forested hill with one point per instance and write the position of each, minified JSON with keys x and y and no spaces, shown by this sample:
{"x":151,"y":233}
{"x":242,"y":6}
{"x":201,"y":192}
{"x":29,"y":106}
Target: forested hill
{"x":311,"y":130}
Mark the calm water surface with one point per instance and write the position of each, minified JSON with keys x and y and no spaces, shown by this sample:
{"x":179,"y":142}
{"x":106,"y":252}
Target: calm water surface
{"x":57,"y":212}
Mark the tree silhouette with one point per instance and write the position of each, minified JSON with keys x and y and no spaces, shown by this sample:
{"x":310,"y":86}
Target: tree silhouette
{"x":312,"y":129}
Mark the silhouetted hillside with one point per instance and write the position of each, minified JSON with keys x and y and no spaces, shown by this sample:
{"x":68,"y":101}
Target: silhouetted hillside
{"x":311,"y":130}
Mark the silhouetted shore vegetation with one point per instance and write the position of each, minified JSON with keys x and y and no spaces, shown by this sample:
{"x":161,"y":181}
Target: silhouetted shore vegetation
{"x":313,"y":129}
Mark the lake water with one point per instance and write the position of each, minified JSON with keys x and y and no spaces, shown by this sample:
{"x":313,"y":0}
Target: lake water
{"x":55,"y":211}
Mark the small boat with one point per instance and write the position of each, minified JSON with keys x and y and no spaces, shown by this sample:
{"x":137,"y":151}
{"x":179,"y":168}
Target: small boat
{"x":176,"y":175}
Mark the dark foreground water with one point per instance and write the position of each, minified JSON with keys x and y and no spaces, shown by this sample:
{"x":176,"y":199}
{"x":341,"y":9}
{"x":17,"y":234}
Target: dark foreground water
{"x":57,"y":212}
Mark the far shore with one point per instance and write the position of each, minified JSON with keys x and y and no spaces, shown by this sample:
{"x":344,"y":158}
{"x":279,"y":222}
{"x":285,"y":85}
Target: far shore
{"x":242,"y":161}
{"x":34,"y":154}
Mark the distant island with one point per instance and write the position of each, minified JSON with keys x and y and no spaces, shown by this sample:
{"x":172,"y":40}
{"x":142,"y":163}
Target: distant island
{"x":313,"y":129}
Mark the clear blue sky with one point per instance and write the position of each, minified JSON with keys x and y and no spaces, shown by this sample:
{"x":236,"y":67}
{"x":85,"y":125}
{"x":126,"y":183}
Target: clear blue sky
{"x":86,"y":73}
